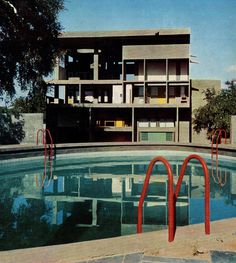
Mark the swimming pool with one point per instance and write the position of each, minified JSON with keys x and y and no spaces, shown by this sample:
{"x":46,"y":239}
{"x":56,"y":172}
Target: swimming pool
{"x":95,"y":195}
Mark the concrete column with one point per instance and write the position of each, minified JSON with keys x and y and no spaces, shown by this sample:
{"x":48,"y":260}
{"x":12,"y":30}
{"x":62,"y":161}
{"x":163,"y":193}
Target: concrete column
{"x":57,"y":69}
{"x":167,"y":69}
{"x":233,"y":129}
{"x":177,"y":126}
{"x":94,"y":212}
{"x":167,"y":78}
{"x":144,"y":70}
{"x":90,"y":124}
{"x":133,"y":124}
{"x":80,"y":94}
{"x":95,"y":65}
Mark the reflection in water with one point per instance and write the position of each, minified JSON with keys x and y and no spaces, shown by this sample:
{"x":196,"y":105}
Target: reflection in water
{"x":86,"y":200}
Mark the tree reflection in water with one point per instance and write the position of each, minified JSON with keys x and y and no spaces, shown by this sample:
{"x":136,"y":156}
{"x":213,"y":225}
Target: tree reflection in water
{"x":22,"y":223}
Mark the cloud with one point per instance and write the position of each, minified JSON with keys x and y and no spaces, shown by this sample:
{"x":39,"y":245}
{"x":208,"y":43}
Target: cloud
{"x":231,"y":68}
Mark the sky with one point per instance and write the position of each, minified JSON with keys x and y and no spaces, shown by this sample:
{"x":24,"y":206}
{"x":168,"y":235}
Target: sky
{"x":212,"y":24}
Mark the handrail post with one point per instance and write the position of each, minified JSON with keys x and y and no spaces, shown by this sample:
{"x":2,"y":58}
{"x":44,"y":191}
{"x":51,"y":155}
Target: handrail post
{"x":207,"y":187}
{"x":171,"y":209}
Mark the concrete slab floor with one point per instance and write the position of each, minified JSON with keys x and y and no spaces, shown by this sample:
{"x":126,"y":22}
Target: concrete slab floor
{"x":190,"y":243}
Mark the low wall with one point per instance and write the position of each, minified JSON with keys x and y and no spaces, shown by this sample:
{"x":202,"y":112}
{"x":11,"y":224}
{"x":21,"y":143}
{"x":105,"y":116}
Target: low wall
{"x":32,"y":122}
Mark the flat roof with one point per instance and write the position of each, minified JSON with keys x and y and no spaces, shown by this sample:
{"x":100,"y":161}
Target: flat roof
{"x":127,"y":33}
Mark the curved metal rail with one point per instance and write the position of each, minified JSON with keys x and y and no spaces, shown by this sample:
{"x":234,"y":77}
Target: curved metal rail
{"x":207,"y":187}
{"x":46,"y":132}
{"x":171,"y":210}
{"x":217,"y":179}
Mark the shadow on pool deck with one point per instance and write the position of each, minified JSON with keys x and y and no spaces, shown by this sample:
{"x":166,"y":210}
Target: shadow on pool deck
{"x":190,"y":243}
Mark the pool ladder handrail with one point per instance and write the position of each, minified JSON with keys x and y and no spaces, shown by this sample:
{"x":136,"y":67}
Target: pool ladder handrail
{"x":173,"y":195}
{"x":216,"y":152}
{"x":171,"y":224}
{"x":46,"y":132}
{"x":207,"y":186}
{"x":218,"y":140}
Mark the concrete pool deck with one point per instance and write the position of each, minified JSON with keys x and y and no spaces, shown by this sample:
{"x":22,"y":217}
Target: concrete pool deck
{"x":190,"y":243}
{"x":27,"y":150}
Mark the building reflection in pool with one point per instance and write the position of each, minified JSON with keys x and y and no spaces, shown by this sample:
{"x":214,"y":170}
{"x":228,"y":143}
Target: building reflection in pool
{"x":83,"y":203}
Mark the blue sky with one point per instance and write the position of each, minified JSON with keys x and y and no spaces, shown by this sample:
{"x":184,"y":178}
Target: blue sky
{"x":212,"y":24}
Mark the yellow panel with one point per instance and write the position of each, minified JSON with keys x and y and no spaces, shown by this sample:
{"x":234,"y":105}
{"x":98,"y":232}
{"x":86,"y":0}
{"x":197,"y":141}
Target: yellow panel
{"x":120,"y":123}
{"x":70,"y":100}
{"x":161,"y":101}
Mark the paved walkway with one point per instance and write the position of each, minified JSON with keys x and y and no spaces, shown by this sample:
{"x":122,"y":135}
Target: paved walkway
{"x":216,"y":257}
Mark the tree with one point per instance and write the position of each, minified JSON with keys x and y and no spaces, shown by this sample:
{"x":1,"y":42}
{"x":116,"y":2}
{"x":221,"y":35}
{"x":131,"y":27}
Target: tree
{"x":11,"y":126}
{"x":29,"y":31}
{"x":34,"y":102}
{"x":216,"y":113}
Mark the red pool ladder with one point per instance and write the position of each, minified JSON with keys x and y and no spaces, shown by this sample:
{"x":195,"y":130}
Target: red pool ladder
{"x":44,"y":133}
{"x":207,"y":187}
{"x":216,"y":139}
{"x":173,"y":195}
{"x":170,"y":196}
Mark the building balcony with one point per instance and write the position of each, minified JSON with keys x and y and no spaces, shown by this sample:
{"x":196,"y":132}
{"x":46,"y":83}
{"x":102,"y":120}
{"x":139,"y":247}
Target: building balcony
{"x":138,"y":102}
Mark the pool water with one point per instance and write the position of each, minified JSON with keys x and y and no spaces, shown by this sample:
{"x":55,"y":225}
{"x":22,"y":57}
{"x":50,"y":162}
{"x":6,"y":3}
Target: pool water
{"x":96,"y":196}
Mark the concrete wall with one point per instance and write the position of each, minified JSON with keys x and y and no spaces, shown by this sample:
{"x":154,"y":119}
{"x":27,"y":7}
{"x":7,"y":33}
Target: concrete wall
{"x":32,"y":122}
{"x":156,"y":51}
{"x":184,"y":131}
{"x":128,"y":93}
{"x":233,"y":129}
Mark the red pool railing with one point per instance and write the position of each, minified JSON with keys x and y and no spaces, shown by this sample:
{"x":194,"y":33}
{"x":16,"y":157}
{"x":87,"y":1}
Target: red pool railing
{"x":207,"y":186}
{"x":171,"y":210}
{"x":218,"y":140}
{"x":46,"y":132}
{"x":214,"y":150}
{"x":173,"y":195}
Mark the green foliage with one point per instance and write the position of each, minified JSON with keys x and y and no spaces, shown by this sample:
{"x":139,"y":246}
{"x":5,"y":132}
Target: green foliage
{"x":34,"y":102}
{"x":29,"y":31}
{"x":11,"y":127}
{"x":217,"y":111}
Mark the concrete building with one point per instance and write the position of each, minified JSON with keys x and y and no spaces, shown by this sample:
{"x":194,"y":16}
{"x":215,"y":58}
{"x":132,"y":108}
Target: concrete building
{"x":124,"y":86}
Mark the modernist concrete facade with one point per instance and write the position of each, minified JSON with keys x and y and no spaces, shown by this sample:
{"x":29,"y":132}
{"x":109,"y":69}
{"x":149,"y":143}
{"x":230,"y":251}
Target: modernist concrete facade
{"x":124,"y":86}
